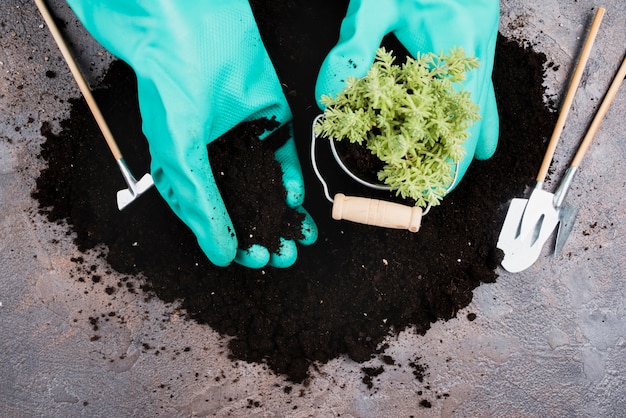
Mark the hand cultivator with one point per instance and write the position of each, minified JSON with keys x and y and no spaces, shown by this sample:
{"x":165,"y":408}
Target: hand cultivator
{"x":135,"y":188}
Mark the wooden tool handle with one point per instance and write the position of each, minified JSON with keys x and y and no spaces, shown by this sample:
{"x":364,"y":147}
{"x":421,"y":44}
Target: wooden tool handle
{"x":82,"y":84}
{"x":604,"y":107}
{"x":569,"y":96}
{"x":376,"y":212}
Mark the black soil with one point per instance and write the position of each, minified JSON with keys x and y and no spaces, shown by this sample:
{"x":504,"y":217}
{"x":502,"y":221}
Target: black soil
{"x":353,"y":287}
{"x":249,"y":179}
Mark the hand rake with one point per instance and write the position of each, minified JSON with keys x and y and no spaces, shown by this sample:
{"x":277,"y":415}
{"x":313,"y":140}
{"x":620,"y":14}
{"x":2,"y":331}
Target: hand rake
{"x":135,"y":188}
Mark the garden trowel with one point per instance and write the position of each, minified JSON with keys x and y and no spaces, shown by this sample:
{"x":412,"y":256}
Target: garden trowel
{"x":521,"y":251}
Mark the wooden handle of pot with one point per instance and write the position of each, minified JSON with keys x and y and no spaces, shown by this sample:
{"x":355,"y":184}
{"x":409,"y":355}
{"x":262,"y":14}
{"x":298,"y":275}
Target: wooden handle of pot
{"x":604,"y":107}
{"x":376,"y":212}
{"x":80,"y":80}
{"x":569,"y":96}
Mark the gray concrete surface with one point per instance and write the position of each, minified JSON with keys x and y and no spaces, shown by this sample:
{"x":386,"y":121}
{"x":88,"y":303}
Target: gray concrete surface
{"x":550,"y":341}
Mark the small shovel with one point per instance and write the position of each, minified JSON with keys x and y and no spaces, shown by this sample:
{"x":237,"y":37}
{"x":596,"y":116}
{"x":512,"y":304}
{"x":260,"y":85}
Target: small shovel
{"x":135,"y":188}
{"x":522,"y":252}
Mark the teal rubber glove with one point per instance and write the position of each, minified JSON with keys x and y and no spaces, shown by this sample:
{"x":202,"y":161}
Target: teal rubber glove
{"x":423,"y":26}
{"x":201,"y":69}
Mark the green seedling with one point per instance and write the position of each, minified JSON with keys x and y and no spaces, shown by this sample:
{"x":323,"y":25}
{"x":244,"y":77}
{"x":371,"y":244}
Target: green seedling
{"x":414,"y":117}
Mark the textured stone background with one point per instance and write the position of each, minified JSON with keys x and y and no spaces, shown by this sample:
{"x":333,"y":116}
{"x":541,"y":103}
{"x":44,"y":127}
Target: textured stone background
{"x":550,"y":341}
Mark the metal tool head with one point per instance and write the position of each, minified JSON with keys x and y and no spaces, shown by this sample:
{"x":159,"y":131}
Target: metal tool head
{"x":135,"y":188}
{"x":522,"y":248}
{"x":127,"y":196}
{"x":540,"y":204}
{"x":567,"y":219}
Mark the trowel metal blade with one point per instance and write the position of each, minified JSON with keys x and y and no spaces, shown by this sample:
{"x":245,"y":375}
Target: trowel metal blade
{"x":567,"y":219}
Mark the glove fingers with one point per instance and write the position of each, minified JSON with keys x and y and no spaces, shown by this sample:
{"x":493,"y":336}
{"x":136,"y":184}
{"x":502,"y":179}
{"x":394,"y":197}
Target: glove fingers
{"x":197,"y":202}
{"x":287,"y":157}
{"x":255,"y":257}
{"x":309,"y":228}
{"x":294,"y":184}
{"x":469,"y":146}
{"x":362,"y":31}
{"x":489,"y":125}
{"x":483,"y":134}
{"x":285,"y":256}
{"x":258,"y":257}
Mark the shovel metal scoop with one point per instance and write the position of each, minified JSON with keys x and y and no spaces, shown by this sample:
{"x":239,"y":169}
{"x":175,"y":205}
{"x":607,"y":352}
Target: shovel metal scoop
{"x":522,"y":249}
{"x":135,"y":188}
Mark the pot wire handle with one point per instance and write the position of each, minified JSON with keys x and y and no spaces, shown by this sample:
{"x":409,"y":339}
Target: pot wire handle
{"x":314,"y":160}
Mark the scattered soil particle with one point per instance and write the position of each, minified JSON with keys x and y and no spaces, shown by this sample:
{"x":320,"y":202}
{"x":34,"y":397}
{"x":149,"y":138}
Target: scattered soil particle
{"x":388,"y":360}
{"x":419,"y":370}
{"x":370,"y":373}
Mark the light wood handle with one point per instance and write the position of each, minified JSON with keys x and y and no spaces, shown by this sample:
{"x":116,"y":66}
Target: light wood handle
{"x":376,"y":212}
{"x":569,"y":96}
{"x":82,"y":84}
{"x":604,"y":107}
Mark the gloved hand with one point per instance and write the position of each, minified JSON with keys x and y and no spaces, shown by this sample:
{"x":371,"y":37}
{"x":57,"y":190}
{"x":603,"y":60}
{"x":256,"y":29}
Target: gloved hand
{"x":423,"y":26}
{"x":201,"y":69}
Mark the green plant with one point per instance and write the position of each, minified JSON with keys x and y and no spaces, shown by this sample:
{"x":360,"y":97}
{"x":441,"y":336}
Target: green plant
{"x":414,"y":117}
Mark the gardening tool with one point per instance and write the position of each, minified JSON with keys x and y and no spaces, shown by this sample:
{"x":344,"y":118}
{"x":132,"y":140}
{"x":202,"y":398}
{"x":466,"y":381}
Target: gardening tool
{"x":567,"y":213}
{"x":522,"y":253}
{"x":135,"y":188}
{"x":364,"y":210}
{"x":529,"y":222}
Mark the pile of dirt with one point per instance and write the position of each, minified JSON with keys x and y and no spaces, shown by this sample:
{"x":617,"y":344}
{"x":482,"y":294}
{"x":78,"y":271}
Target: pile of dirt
{"x":237,"y":159}
{"x":353,"y":287}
